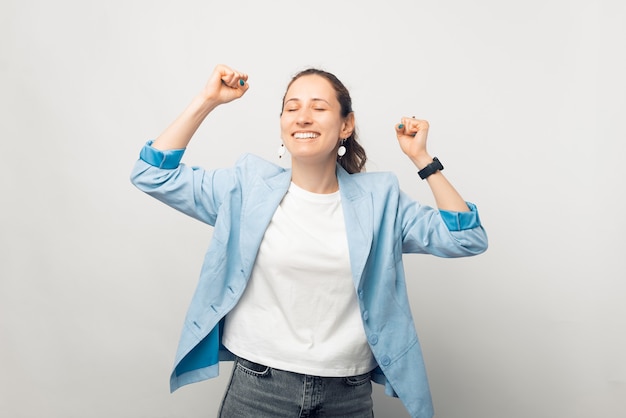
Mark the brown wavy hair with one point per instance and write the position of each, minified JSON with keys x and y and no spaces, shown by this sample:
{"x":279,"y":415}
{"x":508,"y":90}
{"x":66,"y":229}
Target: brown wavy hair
{"x":354,"y":159}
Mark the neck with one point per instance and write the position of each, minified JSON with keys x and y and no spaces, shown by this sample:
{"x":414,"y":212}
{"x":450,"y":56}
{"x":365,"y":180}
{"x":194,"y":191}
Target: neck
{"x":315,"y":178}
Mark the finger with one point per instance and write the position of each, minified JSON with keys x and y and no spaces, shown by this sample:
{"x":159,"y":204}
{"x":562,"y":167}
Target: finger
{"x":413,"y":127}
{"x":236,"y":80}
{"x":228,"y":75}
{"x":422,"y":125}
{"x":405,"y":127}
{"x":243,"y":85}
{"x":229,"y":79}
{"x":419,"y":125}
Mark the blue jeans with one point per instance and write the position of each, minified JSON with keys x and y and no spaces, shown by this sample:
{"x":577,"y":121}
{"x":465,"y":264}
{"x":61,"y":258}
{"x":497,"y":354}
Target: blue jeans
{"x":257,"y":391}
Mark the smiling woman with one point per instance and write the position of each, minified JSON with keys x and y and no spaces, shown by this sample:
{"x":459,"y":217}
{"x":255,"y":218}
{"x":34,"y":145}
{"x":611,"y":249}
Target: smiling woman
{"x":325,"y":93}
{"x":312,"y":127}
{"x":303,"y":283}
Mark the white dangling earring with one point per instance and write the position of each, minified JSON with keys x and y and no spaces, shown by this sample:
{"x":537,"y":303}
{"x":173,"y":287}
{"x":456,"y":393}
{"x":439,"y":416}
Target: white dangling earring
{"x":281,"y":150}
{"x":341,"y":151}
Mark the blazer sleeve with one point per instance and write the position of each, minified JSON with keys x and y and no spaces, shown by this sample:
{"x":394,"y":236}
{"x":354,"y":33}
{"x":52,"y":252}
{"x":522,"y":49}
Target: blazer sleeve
{"x":191,"y":190}
{"x":440,"y":233}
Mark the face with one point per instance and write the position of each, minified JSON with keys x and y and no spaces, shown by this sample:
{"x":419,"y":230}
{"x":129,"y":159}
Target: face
{"x":311,"y":123}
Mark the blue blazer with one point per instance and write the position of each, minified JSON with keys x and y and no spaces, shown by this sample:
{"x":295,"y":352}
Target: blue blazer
{"x":381,"y":221}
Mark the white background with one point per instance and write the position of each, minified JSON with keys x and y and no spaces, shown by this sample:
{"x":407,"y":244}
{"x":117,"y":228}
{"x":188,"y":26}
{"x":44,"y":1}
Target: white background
{"x":527,"y":102}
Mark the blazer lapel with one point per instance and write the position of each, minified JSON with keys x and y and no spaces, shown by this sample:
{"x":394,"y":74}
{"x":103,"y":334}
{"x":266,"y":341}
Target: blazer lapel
{"x":259,"y":207}
{"x":358,"y":215}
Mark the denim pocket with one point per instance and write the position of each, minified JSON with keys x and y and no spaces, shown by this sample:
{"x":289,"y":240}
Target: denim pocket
{"x":252,"y":368}
{"x":358,"y":380}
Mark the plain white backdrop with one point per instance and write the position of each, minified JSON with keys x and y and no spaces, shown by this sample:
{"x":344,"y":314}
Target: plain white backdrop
{"x":526,"y":102}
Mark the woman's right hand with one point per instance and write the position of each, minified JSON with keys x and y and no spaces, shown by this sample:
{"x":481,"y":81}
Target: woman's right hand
{"x":225,"y":85}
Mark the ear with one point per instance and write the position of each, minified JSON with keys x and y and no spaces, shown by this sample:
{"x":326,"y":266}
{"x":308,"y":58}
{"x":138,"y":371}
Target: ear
{"x":348,"y":126}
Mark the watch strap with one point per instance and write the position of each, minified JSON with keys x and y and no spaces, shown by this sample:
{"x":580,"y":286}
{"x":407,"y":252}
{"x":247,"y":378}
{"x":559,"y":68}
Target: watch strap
{"x":430,"y":168}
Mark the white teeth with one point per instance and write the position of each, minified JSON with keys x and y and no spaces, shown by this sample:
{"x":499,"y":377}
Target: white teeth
{"x":305,"y":135}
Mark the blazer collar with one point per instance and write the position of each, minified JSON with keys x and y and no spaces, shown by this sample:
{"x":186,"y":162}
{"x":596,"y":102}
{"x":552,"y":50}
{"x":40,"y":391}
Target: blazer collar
{"x":358,"y":213}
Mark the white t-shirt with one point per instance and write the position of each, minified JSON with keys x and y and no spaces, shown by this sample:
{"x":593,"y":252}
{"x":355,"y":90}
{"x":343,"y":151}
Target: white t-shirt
{"x":299,"y":311}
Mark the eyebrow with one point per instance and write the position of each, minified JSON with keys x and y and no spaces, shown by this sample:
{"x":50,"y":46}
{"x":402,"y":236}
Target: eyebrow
{"x":315,"y":99}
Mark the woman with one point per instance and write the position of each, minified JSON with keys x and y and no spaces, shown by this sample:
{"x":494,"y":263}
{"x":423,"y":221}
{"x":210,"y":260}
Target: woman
{"x":303,"y":284}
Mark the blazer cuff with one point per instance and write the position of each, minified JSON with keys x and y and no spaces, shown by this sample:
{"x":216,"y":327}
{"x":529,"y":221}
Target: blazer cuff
{"x":458,"y":221}
{"x":168,"y":159}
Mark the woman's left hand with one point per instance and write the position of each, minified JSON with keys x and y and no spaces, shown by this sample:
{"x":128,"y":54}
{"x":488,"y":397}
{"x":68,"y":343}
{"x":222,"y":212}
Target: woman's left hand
{"x":412,"y":134}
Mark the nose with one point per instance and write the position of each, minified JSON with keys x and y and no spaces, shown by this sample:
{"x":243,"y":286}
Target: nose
{"x":304,"y":116}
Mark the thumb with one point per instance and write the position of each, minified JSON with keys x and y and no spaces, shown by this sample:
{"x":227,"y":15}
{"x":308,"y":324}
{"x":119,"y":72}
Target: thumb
{"x":402,"y":130}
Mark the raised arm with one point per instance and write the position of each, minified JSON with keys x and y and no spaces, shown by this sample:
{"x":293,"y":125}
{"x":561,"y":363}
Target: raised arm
{"x":412,"y":135}
{"x":224,"y":85}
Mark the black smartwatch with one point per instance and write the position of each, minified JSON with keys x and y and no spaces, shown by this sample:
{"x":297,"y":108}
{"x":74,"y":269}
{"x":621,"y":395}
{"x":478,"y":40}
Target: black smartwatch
{"x":430,"y":168}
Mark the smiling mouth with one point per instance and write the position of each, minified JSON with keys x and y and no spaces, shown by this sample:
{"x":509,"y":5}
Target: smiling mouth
{"x":305,"y":135}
